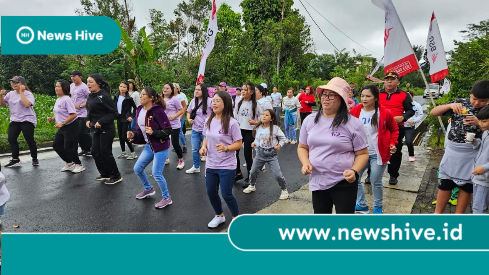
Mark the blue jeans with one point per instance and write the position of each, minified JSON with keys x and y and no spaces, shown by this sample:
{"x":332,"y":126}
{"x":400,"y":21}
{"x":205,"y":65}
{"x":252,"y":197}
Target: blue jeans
{"x":290,"y":128}
{"x":376,"y":173}
{"x":182,"y":136}
{"x":196,"y":139}
{"x":158,"y":159}
{"x":223,"y":178}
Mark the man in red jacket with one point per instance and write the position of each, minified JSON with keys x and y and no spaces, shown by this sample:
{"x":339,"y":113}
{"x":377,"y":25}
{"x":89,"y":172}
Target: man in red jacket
{"x":401,"y":105}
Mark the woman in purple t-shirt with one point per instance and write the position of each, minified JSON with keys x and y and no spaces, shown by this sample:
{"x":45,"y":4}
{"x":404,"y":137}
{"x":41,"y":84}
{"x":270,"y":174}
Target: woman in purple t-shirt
{"x":66,"y":139}
{"x":22,"y":118}
{"x":222,"y":139}
{"x":333,"y":147}
{"x":174,"y":110}
{"x":197,"y":113}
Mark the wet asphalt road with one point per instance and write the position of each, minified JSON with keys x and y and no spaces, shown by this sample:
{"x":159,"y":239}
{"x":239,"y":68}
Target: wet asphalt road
{"x":43,"y":199}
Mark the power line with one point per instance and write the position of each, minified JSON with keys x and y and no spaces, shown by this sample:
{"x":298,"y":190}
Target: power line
{"x":338,"y":28}
{"x":318,"y":26}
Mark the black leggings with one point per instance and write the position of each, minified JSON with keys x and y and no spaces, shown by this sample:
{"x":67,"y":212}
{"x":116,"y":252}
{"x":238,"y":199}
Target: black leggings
{"x":175,"y":141}
{"x":409,"y":133}
{"x":27,"y":130}
{"x":304,"y":115}
{"x":343,"y":195}
{"x":122,"y":128}
{"x":248,"y":151}
{"x":66,"y":142}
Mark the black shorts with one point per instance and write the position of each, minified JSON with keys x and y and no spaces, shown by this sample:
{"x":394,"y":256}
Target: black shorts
{"x":449,"y":185}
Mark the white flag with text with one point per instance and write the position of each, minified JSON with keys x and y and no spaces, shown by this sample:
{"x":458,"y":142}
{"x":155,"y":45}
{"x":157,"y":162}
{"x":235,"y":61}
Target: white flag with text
{"x":210,"y":38}
{"x":436,"y":52}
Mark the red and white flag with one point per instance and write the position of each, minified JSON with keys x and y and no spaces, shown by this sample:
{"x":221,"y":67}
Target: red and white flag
{"x":398,"y":53}
{"x":436,"y":52}
{"x":210,"y":38}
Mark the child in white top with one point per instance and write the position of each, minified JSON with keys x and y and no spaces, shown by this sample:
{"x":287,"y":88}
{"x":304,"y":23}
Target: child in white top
{"x":4,"y":194}
{"x":268,"y":141}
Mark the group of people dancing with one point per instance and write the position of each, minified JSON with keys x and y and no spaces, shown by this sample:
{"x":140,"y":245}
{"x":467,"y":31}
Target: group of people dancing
{"x":336,"y":145}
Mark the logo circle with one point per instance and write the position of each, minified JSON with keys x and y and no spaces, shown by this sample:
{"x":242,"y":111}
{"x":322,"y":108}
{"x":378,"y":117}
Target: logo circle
{"x":25,"y":28}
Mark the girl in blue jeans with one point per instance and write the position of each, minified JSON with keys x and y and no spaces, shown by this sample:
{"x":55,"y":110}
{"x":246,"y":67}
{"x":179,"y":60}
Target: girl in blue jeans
{"x":222,"y":138}
{"x":153,"y":129}
{"x":382,"y":133}
{"x":197,"y":113}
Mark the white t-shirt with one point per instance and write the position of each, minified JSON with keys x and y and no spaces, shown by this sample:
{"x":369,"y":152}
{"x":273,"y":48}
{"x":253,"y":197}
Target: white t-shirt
{"x":265,"y":103}
{"x":372,"y":132}
{"x":263,"y":140}
{"x":245,"y":113}
{"x":183,"y":97}
{"x":276,"y":97}
{"x":142,"y":123}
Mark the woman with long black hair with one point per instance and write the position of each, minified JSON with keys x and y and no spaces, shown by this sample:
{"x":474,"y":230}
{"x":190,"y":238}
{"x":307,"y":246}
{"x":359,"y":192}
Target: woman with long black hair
{"x":248,"y":113}
{"x":174,"y":110}
{"x":126,"y":109}
{"x":198,"y":111}
{"x":102,"y":112}
{"x":22,"y":118}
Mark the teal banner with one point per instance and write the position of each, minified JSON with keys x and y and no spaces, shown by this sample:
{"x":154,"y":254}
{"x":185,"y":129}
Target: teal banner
{"x":59,"y":35}
{"x":209,"y":254}
{"x":360,"y":232}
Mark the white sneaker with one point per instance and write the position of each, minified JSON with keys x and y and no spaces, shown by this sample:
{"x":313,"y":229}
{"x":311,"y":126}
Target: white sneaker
{"x":167,"y":161}
{"x":216,"y":221}
{"x":193,"y":170}
{"x":287,"y":141}
{"x":68,"y":167}
{"x":123,"y":155}
{"x":284,"y":195}
{"x":249,"y":189}
{"x":132,"y":156}
{"x":293,"y":142}
{"x":181,"y":164}
{"x":244,"y":165}
{"x":78,"y":168}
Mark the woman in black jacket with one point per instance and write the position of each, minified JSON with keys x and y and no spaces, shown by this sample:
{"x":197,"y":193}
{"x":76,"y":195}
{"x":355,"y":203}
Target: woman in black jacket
{"x":100,"y":119}
{"x":126,"y":108}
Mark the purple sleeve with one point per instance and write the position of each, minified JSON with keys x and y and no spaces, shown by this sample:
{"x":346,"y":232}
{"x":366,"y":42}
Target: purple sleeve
{"x":204,"y":132}
{"x":178,"y":103}
{"x":6,"y":98}
{"x":30,"y":97}
{"x":304,"y":131}
{"x":359,"y":137}
{"x":70,"y":106}
{"x":191,"y":106}
{"x":235,"y":132}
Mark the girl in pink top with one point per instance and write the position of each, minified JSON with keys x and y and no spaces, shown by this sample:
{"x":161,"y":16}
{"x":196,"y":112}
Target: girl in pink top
{"x":174,"y":110}
{"x":22,"y":118}
{"x":332,"y":149}
{"x":222,"y":139}
{"x":66,"y":139}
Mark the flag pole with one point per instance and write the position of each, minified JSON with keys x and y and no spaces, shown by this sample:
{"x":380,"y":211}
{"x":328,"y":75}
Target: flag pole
{"x":426,"y":83}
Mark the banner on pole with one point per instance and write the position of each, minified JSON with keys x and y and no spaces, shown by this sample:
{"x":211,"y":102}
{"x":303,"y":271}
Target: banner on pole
{"x":210,"y":38}
{"x":446,"y":86}
{"x":436,"y":52}
{"x":377,"y":67}
{"x":398,"y":53}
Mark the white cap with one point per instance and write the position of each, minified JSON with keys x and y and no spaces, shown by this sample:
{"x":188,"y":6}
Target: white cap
{"x":264,"y":85}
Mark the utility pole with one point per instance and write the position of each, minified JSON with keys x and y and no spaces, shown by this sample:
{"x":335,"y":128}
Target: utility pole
{"x":281,"y":30}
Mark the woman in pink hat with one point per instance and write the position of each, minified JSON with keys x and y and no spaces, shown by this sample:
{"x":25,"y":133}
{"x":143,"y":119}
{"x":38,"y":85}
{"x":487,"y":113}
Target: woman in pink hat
{"x":332,"y":149}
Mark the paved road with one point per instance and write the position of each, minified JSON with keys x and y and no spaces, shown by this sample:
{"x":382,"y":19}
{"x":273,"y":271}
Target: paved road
{"x":46,"y":200}
{"x":421,"y":100}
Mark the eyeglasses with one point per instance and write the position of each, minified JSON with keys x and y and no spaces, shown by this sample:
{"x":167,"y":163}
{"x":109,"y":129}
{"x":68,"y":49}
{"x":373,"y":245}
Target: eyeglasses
{"x":330,"y":96}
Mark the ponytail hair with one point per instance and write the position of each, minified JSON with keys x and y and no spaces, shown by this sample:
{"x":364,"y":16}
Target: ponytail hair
{"x":157,"y":99}
{"x":101,"y":82}
{"x":376,"y":93}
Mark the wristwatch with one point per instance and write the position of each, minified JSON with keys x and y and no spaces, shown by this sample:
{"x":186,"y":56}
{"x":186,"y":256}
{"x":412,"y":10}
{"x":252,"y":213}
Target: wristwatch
{"x":227,"y":148}
{"x":356,"y":173}
{"x":63,"y":122}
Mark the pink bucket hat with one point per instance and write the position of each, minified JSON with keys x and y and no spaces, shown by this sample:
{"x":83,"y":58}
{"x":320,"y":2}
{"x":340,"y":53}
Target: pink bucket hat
{"x":337,"y":85}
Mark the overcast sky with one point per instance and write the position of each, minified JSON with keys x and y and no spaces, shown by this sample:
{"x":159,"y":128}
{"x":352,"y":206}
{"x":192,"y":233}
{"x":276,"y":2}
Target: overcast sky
{"x":359,"y":19}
